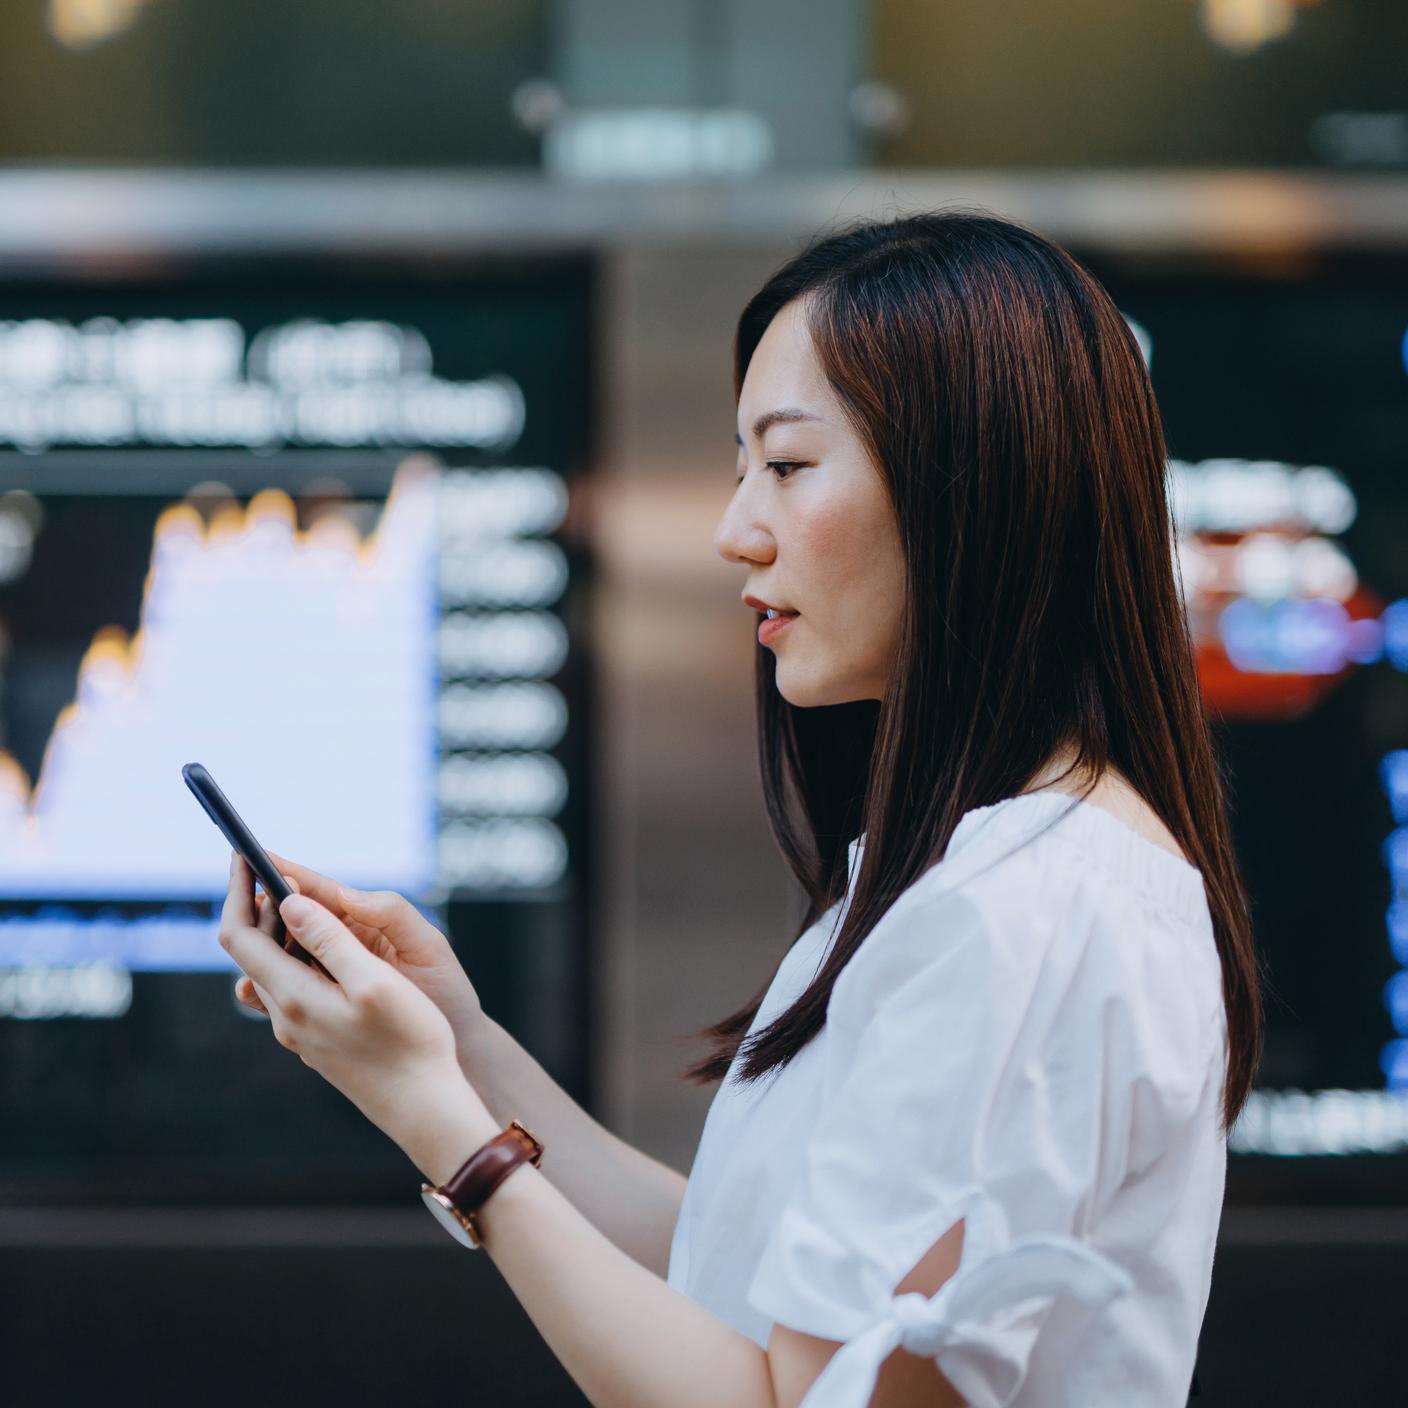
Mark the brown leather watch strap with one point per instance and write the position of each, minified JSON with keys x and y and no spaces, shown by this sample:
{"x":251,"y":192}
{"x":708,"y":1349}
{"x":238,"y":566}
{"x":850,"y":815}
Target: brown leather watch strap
{"x":489,"y":1165}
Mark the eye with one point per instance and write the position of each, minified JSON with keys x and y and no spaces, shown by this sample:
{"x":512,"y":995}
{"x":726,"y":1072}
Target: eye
{"x":780,"y":468}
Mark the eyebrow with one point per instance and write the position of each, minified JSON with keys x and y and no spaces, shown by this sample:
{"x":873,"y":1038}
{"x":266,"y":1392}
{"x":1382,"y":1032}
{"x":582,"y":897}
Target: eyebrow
{"x":787,"y":415}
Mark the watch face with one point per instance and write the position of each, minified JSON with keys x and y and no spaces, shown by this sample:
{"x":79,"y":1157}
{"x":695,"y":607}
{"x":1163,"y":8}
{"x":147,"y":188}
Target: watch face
{"x":447,"y":1215}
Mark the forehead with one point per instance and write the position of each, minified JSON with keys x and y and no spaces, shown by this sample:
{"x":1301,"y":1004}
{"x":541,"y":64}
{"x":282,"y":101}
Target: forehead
{"x":784,"y":369}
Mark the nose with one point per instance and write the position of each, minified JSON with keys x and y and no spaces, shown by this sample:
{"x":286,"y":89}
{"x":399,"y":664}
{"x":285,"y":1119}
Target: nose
{"x":741,"y":536}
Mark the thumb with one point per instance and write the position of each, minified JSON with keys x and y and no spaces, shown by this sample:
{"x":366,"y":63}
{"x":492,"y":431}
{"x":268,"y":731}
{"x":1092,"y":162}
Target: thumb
{"x":328,"y":940}
{"x":407,"y":928}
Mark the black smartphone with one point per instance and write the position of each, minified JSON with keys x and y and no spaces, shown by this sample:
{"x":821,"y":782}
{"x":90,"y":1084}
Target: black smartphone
{"x":218,"y":809}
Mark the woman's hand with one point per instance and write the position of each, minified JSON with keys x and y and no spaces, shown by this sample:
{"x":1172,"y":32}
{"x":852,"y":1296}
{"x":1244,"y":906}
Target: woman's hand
{"x":370,"y":1032}
{"x":391,"y":927}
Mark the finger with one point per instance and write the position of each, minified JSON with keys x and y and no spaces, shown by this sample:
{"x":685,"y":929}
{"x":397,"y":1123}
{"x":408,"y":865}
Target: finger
{"x":366,"y":913}
{"x":331,"y":942}
{"x":278,"y":1019}
{"x":391,"y":913}
{"x":281,"y":980}
{"x":268,"y":919}
{"x":310,"y":882}
{"x":245,"y":993}
{"x":238,"y":908}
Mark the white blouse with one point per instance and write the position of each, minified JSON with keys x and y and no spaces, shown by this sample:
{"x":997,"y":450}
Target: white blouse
{"x":1032,"y":1038}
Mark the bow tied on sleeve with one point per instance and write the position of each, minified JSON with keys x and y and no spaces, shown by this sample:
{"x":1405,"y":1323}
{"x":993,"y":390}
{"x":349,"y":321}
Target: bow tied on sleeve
{"x":1031,"y":1267}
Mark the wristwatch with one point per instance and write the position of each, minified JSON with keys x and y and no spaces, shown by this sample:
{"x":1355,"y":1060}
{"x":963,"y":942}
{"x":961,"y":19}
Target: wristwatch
{"x":456,"y":1201}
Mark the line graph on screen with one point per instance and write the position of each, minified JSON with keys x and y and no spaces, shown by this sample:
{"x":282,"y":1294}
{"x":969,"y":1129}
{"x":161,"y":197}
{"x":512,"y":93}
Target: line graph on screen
{"x":292,"y":661}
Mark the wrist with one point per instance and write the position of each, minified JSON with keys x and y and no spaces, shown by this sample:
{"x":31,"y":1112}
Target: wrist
{"x":476,"y":1051}
{"x":451,"y":1126}
{"x":457,"y":1203}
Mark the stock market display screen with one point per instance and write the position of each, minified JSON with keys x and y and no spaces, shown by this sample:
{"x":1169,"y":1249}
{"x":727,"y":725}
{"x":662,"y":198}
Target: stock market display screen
{"x":313,"y":528}
{"x":1284,"y":389}
{"x":322,"y":532}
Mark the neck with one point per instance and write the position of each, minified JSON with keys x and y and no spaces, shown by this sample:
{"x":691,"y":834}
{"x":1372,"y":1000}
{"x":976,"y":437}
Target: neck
{"x":1051,"y":774}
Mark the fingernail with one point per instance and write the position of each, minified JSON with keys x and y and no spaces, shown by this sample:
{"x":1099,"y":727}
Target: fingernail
{"x":292,"y":883}
{"x":296,"y":910}
{"x":354,"y":896}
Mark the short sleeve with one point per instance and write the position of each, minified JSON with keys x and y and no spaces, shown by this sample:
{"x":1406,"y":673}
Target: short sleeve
{"x":981,"y":1066}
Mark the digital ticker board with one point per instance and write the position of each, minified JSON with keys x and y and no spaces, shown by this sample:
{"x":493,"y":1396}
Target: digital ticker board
{"x":317,"y":529}
{"x":1283,"y":387}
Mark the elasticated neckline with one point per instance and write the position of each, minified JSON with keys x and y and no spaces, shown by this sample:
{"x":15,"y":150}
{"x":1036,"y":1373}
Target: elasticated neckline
{"x":1160,"y":875}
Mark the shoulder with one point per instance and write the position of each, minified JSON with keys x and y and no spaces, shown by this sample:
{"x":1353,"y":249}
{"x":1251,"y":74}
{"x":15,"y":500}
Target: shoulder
{"x":1049,"y":936}
{"x":1011,"y":913}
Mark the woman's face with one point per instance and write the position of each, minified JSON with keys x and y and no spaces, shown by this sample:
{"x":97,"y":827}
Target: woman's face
{"x":813,"y":524}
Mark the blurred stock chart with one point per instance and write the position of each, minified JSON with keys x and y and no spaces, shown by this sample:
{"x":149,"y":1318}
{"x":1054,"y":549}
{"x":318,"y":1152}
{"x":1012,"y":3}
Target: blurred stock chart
{"x":315,"y":531}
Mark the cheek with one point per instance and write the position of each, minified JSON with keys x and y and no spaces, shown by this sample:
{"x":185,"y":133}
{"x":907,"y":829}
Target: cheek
{"x":854,"y":558}
{"x":832,"y":545}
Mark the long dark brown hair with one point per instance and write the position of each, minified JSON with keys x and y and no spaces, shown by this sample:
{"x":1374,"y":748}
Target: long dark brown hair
{"x":1007,"y":405}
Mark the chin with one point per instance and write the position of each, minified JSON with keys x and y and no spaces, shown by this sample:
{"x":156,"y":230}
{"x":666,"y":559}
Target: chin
{"x":811,"y":693}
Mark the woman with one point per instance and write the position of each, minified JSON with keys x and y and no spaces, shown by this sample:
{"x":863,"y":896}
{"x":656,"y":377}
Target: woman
{"x":970,"y":1142}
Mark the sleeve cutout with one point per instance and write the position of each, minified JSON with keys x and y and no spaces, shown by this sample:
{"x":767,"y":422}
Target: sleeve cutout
{"x":995,"y":1277}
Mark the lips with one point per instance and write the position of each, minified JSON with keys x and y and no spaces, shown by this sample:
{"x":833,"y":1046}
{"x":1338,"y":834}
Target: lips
{"x":773,"y":627}
{"x":771,"y":609}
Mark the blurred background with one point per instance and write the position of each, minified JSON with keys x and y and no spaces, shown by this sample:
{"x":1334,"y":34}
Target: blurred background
{"x":365,"y":414}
